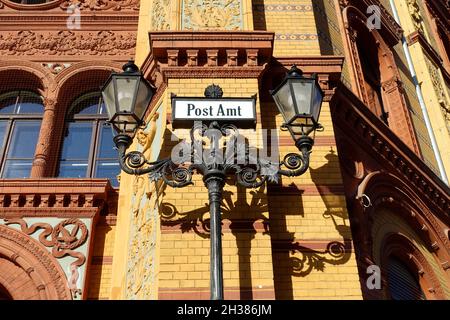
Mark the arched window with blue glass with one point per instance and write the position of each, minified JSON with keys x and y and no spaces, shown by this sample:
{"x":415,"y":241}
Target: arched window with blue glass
{"x":88,"y":150}
{"x":21,"y":114}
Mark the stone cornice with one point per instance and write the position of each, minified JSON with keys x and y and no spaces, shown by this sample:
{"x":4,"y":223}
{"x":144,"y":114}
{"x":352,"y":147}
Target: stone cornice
{"x":417,"y":36}
{"x":208,"y":54}
{"x":366,"y":130}
{"x":213,"y":72}
{"x":123,"y":22}
{"x":330,"y":65}
{"x":53,"y":197}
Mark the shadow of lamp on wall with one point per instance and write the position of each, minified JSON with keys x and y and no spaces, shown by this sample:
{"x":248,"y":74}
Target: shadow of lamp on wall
{"x":299,"y":99}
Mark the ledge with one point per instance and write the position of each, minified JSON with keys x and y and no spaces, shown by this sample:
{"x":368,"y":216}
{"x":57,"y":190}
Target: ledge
{"x":367,"y":130}
{"x":207,"y":54}
{"x":53,"y":197}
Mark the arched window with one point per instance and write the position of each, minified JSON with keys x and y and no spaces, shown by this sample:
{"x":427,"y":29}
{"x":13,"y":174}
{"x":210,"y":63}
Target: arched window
{"x":20,"y":122}
{"x":377,"y":79}
{"x":370,"y":65}
{"x":88,"y":149}
{"x":403,"y":284}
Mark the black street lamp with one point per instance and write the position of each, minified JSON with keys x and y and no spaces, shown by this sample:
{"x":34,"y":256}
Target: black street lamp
{"x":126,"y":96}
{"x":299,"y":100}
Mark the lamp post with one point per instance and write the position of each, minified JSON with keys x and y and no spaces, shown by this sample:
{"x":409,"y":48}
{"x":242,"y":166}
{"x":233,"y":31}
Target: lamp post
{"x":299,"y":99}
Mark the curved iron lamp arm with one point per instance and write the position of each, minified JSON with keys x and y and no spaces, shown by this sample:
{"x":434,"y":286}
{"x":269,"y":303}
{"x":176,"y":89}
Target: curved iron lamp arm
{"x":248,"y":176}
{"x":297,"y":164}
{"x":132,"y":162}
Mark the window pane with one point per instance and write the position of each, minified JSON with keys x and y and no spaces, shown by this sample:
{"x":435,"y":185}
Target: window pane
{"x":106,"y":143}
{"x":30,"y":103}
{"x":108,"y":169}
{"x":73,"y":169}
{"x":88,"y":106}
{"x":403,"y":285}
{"x":3,"y":126}
{"x":7,"y":105}
{"x":24,"y":138}
{"x":17,"y":169}
{"x":29,"y":107}
{"x":77,"y":141}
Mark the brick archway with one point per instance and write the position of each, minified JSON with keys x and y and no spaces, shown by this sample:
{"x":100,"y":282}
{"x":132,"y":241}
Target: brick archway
{"x":400,"y":246}
{"x":16,"y":282}
{"x":392,"y":90}
{"x":28,"y":270}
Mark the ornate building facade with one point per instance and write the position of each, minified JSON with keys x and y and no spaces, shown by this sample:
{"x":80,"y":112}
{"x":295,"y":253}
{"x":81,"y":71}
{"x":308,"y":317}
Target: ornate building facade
{"x":376,"y":194}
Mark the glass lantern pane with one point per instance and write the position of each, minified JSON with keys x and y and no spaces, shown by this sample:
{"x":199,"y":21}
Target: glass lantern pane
{"x":302,"y":93}
{"x":126,"y":88}
{"x":317,"y":103}
{"x":125,"y":123}
{"x":109,"y":98}
{"x":284,"y":101}
{"x":143,"y":98}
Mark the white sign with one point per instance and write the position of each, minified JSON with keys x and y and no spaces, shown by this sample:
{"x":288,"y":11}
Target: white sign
{"x":206,"y":109}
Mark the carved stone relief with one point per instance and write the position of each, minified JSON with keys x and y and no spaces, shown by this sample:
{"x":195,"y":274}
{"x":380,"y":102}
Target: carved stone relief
{"x":65,"y":239}
{"x":160,"y":15}
{"x":56,"y":68}
{"x":142,"y":253}
{"x":414,"y":11}
{"x":66,"y":42}
{"x":437,"y":81}
{"x":102,"y":4}
{"x":212,"y":15}
{"x":91,"y":5}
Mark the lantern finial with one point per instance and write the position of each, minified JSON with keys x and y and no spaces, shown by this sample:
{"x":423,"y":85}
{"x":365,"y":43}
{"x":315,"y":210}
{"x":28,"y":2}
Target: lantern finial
{"x":295,"y":72}
{"x":130,"y":67}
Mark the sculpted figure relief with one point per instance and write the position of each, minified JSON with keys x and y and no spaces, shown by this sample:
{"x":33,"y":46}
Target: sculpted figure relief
{"x":143,"y":225}
{"x":212,"y":14}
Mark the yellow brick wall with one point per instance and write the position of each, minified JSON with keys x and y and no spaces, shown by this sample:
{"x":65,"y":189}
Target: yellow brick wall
{"x":185,"y":255}
{"x":293,"y":23}
{"x":99,"y":285}
{"x":315,"y":219}
{"x":257,"y":258}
